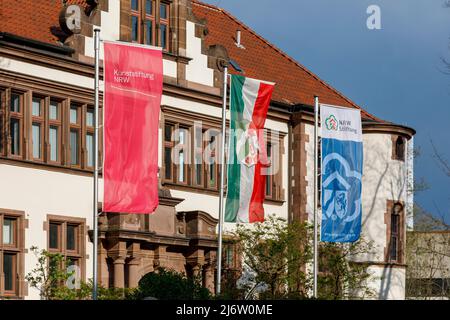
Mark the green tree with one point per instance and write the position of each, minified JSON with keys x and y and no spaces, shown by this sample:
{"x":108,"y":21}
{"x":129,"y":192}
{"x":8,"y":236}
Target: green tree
{"x":275,"y":253}
{"x":277,"y":260}
{"x":341,"y":274}
{"x":167,"y":284}
{"x":53,"y":281}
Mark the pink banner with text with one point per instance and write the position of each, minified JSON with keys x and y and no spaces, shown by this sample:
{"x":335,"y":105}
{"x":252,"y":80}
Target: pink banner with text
{"x":133,"y":78}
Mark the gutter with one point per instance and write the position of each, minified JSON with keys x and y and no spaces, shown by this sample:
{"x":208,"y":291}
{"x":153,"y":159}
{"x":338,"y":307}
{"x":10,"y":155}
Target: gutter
{"x":9,"y":38}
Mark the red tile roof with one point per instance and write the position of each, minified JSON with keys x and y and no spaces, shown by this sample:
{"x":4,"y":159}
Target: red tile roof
{"x":262,"y":60}
{"x":33,"y":19}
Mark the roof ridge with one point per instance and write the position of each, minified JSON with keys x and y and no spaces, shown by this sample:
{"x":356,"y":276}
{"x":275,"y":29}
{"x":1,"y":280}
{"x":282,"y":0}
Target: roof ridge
{"x":285,"y":55}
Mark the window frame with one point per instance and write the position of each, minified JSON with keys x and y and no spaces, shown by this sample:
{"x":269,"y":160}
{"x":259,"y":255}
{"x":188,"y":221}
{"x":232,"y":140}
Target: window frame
{"x":11,"y":292}
{"x":156,"y":22}
{"x":184,"y":147}
{"x":14,"y":231}
{"x":137,"y":14}
{"x":149,"y":17}
{"x":39,"y":120}
{"x":174,"y":116}
{"x":59,"y":237}
{"x":58,"y":124}
{"x":398,"y":234}
{"x":89,"y":130}
{"x":214,"y":154}
{"x":20,"y":117}
{"x":25,"y":121}
{"x":195,"y":151}
{"x":168,"y":145}
{"x":75,"y":127}
{"x":17,"y":249}
{"x":165,"y":22}
{"x":78,"y":255}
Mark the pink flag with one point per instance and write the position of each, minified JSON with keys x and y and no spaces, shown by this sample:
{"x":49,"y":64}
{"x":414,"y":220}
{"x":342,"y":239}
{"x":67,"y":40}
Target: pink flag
{"x":133,"y":86}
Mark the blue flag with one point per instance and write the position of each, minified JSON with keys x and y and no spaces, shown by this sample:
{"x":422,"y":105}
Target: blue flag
{"x":342,"y":161}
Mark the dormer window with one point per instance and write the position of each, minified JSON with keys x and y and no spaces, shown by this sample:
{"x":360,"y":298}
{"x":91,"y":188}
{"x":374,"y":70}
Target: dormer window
{"x":150,"y":22}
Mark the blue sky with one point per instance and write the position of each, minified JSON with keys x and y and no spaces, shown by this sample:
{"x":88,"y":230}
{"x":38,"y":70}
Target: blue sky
{"x":394,"y":73}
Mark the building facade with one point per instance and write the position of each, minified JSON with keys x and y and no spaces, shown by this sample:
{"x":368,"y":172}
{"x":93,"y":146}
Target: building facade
{"x":46,"y":146}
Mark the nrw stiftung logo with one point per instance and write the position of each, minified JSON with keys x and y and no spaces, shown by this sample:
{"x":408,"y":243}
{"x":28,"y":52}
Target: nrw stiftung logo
{"x":331,"y":123}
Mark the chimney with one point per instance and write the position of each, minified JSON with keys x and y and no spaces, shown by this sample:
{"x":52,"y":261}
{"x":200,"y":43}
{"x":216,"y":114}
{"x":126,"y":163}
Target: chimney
{"x":238,"y":39}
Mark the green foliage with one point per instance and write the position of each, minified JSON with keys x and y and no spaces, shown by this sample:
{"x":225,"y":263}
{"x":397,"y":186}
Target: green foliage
{"x":279,"y":253}
{"x":340,"y":275}
{"x":229,"y":290}
{"x":276,"y":252}
{"x":170,"y":285}
{"x":427,"y":257}
{"x":51,"y":277}
{"x":49,"y":274}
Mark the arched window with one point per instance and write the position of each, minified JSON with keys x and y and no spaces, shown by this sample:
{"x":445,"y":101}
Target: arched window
{"x":395,"y":233}
{"x":400,"y":148}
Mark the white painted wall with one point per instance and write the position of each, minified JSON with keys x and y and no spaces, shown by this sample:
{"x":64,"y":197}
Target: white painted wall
{"x":389,"y":283}
{"x":410,"y":185}
{"x":383,"y":179}
{"x":42,"y":192}
{"x":197,"y":69}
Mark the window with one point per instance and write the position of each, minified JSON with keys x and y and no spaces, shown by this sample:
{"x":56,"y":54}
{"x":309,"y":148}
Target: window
{"x":46,"y":129}
{"x":212,"y":167}
{"x":273,"y":170}
{"x":16,"y":123}
{"x":149,"y":22}
{"x":9,"y":272}
{"x":71,"y":237}
{"x":9,"y":231}
{"x":146,"y":19}
{"x":168,"y":146}
{"x":400,"y":149}
{"x":54,"y":131}
{"x":231,"y":256}
{"x":269,"y":177}
{"x":74,"y":140}
{"x":90,"y":137}
{"x":37,"y":127}
{"x":55,"y":236}
{"x":198,"y":156}
{"x":66,"y":236}
{"x":164,"y":26}
{"x":199,"y":159}
{"x":182,"y":155}
{"x":11,"y":254}
{"x":395,"y":232}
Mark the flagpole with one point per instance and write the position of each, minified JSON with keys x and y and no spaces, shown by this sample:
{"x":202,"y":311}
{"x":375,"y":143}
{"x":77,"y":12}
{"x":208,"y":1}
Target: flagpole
{"x":222,"y":164}
{"x":316,"y":169}
{"x":95,"y":204}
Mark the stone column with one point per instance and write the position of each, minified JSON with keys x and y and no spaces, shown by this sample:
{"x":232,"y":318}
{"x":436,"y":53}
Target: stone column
{"x":209,"y":278}
{"x":133,"y":274}
{"x":102,"y":265}
{"x":119,"y":272}
{"x":197,"y":272}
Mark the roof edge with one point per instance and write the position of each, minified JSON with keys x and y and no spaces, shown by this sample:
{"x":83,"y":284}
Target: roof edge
{"x":19,"y":40}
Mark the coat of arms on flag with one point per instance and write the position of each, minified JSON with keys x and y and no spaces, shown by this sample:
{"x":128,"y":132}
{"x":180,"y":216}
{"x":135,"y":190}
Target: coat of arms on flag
{"x":247,"y":156}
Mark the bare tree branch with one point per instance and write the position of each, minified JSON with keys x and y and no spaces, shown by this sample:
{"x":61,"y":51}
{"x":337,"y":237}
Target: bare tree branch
{"x":442,"y":161}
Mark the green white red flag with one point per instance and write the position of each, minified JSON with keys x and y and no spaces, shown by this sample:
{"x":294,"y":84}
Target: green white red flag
{"x":247,"y":158}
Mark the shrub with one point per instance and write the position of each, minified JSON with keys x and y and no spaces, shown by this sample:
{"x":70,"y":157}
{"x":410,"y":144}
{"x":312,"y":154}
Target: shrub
{"x":170,"y":285}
